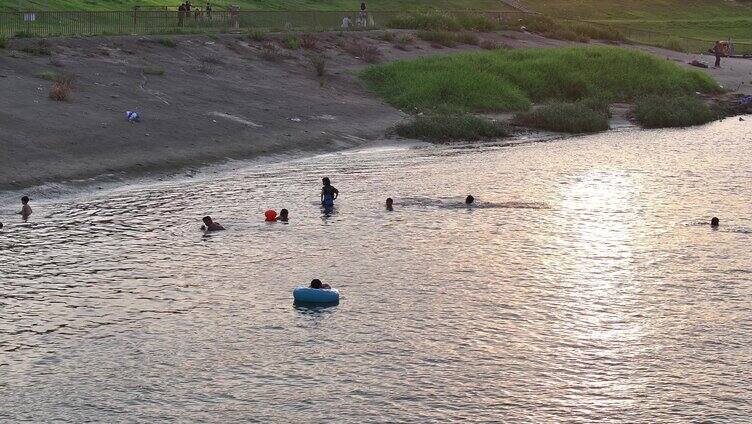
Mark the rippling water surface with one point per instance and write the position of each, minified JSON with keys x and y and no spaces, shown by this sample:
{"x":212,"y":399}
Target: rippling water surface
{"x":587,"y":286}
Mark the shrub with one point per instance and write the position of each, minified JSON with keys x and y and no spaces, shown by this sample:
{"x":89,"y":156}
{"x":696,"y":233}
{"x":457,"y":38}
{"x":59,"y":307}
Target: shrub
{"x":291,"y":41}
{"x":675,"y":44}
{"x":167,"y":42}
{"x":446,"y":128}
{"x":60,"y":91}
{"x":565,"y":117}
{"x":491,"y":45}
{"x":429,"y":21}
{"x":308,"y":41}
{"x":319,"y":64}
{"x":363,"y":51}
{"x":404,"y":40}
{"x":47,"y":75}
{"x":271,"y":53}
{"x":442,"y":38}
{"x":257,"y":35}
{"x":663,"y":111}
{"x":153,"y":70}
{"x":467,"y":38}
{"x":387,"y":36}
{"x":41,"y":48}
{"x":3,"y":42}
{"x":475,"y":22}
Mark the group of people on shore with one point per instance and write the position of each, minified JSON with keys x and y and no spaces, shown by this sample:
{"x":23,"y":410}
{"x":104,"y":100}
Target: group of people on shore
{"x":360,"y":22}
{"x":185,"y":9}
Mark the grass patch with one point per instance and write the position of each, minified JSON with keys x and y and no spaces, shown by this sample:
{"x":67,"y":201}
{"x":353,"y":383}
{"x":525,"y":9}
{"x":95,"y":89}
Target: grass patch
{"x":478,"y":23}
{"x":362,"y":50}
{"x":41,"y":48}
{"x":153,"y":70}
{"x":257,"y":35}
{"x":674,"y":44}
{"x":577,"y":117}
{"x":666,"y":112}
{"x":291,"y":42}
{"x":513,"y":80}
{"x":47,"y":75}
{"x":402,"y":41}
{"x":453,"y":127}
{"x":3,"y":42}
{"x":319,"y":64}
{"x":449,"y":39}
{"x":568,"y":30}
{"x":167,"y":42}
{"x":308,"y":41}
{"x":429,"y":21}
{"x":23,"y":34}
{"x":387,"y":36}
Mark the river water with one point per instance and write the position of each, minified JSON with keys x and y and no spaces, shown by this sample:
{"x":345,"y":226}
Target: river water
{"x":586,"y":286}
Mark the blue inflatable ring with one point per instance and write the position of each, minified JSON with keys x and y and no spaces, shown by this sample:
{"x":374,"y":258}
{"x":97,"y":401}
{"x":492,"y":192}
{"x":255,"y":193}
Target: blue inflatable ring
{"x":309,"y":295}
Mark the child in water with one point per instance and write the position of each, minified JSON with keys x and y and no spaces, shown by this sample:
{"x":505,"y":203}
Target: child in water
{"x":328,"y":193}
{"x":316,"y":284}
{"x":210,"y":225}
{"x":25,"y":208}
{"x":283,"y":215}
{"x":389,"y":204}
{"x":469,"y":200}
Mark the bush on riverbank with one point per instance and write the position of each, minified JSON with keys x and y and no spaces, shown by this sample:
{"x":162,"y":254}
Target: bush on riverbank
{"x":442,"y":21}
{"x":453,"y":127}
{"x":580,"y":117}
{"x":665,"y":112}
{"x":513,"y":80}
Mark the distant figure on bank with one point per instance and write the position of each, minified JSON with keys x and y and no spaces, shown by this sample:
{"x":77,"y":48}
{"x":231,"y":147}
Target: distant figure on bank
{"x":316,"y":284}
{"x":25,"y":208}
{"x":208,"y":11}
{"x":718,"y":52}
{"x":283,"y":215}
{"x":210,"y":225}
{"x":363,"y":15}
{"x":188,"y":6}
{"x":715,"y":222}
{"x":346,"y":23}
{"x":328,"y":193}
{"x":469,"y":200}
{"x":181,"y":14}
{"x":389,"y":204}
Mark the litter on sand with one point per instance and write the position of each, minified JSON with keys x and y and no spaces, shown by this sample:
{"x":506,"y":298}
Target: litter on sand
{"x":132,"y":116}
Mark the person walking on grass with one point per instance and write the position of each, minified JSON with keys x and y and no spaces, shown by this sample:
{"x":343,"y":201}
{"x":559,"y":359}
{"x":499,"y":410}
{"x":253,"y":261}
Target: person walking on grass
{"x":718,"y":51}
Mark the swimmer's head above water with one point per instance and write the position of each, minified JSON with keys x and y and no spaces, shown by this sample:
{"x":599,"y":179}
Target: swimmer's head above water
{"x":469,"y":200}
{"x":316,"y":283}
{"x":715,"y":222}
{"x":24,"y":200}
{"x":283,"y":215}
{"x":207,"y":220}
{"x":389,"y":204}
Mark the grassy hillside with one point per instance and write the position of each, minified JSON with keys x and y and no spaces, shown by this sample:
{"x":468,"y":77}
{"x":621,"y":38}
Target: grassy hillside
{"x":254,"y":4}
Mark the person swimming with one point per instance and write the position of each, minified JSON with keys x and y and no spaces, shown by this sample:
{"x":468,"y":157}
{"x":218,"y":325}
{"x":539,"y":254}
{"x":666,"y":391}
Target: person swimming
{"x":715,"y":222}
{"x":316,"y":284}
{"x":1,"y":225}
{"x":389,"y":204}
{"x":469,"y":199}
{"x":210,"y":225}
{"x":25,"y":208}
{"x":283,"y":215}
{"x":328,"y":193}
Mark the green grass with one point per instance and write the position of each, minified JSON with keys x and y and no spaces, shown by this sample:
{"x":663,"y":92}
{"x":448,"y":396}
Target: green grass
{"x":3,"y":42}
{"x":453,"y":127}
{"x":567,"y":30}
{"x":579,"y":117}
{"x":291,"y":41}
{"x":167,"y":42}
{"x":664,"y":112}
{"x":153,"y":70}
{"x":257,"y":35}
{"x":515,"y":79}
{"x":436,"y":20}
{"x":47,"y":75}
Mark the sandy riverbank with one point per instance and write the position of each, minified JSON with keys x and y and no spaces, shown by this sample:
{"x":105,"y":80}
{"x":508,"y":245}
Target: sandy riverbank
{"x":219,"y":98}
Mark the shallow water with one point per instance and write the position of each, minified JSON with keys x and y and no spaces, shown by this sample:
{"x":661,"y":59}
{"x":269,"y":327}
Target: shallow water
{"x":589,"y":288}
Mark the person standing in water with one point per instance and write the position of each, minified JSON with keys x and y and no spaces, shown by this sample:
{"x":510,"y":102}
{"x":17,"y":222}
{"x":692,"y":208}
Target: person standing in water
{"x":283,"y":215}
{"x":469,"y":200}
{"x":25,"y":208}
{"x":715,"y":222}
{"x":328,"y":193}
{"x":210,"y":225}
{"x":389,"y":204}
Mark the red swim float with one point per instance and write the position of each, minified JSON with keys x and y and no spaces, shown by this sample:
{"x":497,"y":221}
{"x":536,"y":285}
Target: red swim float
{"x":271,"y":215}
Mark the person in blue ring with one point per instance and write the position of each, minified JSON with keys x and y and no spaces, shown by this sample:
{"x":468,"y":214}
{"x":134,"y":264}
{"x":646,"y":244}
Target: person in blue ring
{"x":328,"y":193}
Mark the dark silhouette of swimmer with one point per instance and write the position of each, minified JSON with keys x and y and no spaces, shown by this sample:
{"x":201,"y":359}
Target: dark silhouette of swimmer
{"x":210,"y":225}
{"x":469,"y":200}
{"x":1,"y":225}
{"x":316,"y":284}
{"x":389,"y":204}
{"x":715,"y":222}
{"x":283,"y":215}
{"x":328,"y":193}
{"x":25,"y":208}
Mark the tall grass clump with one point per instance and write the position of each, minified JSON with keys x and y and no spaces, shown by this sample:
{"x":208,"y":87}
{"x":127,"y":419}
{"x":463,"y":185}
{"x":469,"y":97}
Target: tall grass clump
{"x":3,"y":42}
{"x":443,"y":38}
{"x":565,"y":117}
{"x":62,"y":87}
{"x":513,"y":80}
{"x":568,"y":30}
{"x":319,"y":64}
{"x":480,"y":23}
{"x":308,"y":41}
{"x":452,"y":127}
{"x":167,"y":42}
{"x":674,"y":44}
{"x":428,"y":21}
{"x":257,"y":35}
{"x":291,"y":42}
{"x":667,"y":112}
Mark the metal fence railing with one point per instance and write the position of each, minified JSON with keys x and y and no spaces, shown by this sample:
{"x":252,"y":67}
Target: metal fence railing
{"x":155,"y":20}
{"x":71,"y":23}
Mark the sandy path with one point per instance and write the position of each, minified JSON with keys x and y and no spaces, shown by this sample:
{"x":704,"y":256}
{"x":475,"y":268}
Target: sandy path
{"x":217,"y":100}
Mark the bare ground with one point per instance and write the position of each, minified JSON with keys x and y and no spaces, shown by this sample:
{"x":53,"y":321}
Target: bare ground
{"x":219,"y":98}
